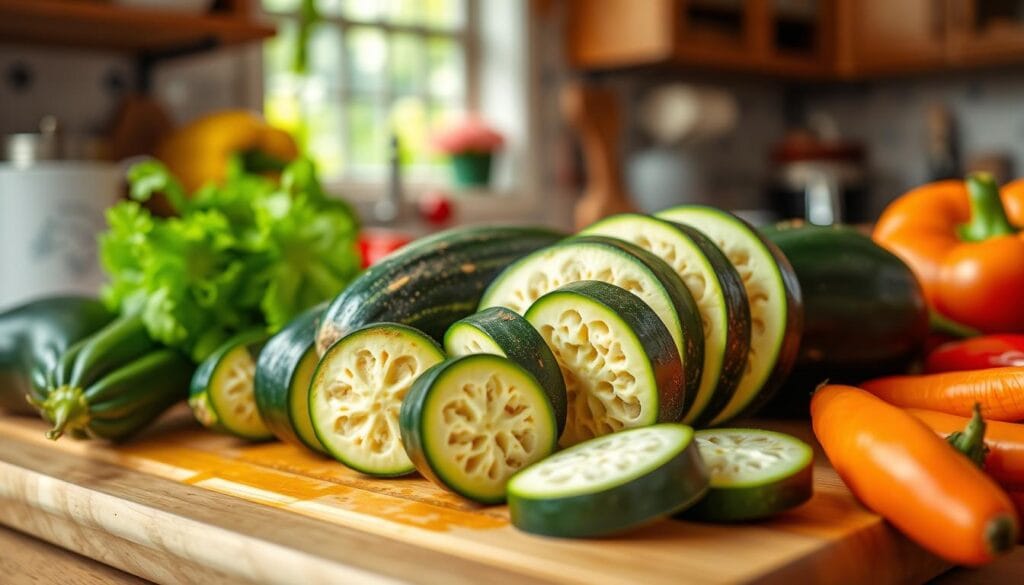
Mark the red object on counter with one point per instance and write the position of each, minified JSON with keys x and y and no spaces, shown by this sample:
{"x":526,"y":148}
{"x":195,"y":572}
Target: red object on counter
{"x":376,"y":244}
{"x":977,"y":353}
{"x":436,"y":208}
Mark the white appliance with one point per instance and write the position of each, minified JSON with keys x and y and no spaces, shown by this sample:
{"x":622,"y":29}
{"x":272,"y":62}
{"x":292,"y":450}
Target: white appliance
{"x":52,"y":205}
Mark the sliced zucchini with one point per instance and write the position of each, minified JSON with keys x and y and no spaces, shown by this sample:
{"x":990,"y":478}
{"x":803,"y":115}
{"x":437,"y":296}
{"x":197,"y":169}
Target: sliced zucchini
{"x":357,"y":392}
{"x":500,"y":331}
{"x":620,"y":367}
{"x":609,"y":484}
{"x":283,"y":373}
{"x":717,"y":289}
{"x":222,"y":396}
{"x":773,"y":293}
{"x":470,"y":423}
{"x":616,"y":262}
{"x":754,"y":474}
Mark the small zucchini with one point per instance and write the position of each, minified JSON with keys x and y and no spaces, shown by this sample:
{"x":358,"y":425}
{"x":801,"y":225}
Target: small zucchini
{"x":754,"y":474}
{"x":222,"y":397}
{"x":609,"y":484}
{"x":470,"y":423}
{"x":357,"y":392}
{"x":503,"y":332}
{"x":773,"y":293}
{"x":620,"y":366}
{"x":284,"y":370}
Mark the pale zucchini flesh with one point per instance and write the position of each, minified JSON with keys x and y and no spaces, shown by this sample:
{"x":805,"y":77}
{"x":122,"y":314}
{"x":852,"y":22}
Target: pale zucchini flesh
{"x":299,"y":400}
{"x":357,"y":391}
{"x":767,"y":296}
{"x":229,"y":400}
{"x":464,"y":339}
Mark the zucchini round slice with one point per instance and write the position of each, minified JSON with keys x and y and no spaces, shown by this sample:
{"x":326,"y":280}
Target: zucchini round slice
{"x":620,"y":367}
{"x":357,"y":392}
{"x":500,"y":331}
{"x":754,"y":474}
{"x":716,"y":288}
{"x":773,"y":293}
{"x":609,"y":484}
{"x":470,"y":423}
{"x":222,"y":397}
{"x":615,"y":262}
{"x":283,"y":373}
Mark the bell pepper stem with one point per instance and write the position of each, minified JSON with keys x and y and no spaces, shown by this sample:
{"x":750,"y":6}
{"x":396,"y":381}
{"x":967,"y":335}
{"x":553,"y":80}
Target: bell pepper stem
{"x":971,"y":440}
{"x":67,"y":409}
{"x":940,"y":323}
{"x":988,"y":217}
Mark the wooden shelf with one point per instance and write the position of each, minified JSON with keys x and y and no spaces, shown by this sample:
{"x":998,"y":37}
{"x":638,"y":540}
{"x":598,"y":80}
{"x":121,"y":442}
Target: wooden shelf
{"x":100,"y":25}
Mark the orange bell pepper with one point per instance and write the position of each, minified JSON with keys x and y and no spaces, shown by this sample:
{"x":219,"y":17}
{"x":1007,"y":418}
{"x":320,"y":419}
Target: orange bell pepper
{"x":961,"y":239}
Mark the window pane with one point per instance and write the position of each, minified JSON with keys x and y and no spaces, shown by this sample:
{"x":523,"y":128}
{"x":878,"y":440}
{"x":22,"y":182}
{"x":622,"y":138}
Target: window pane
{"x":406,"y":64}
{"x":362,"y":10}
{"x":366,"y":56}
{"x":330,"y":7}
{"x":447,"y":14}
{"x":445,"y":68}
{"x":405,"y":11}
{"x":325,"y":55}
{"x":367,"y":135}
{"x":280,"y":5}
{"x":279,"y":50}
{"x":324,"y":136}
{"x":409,"y":119}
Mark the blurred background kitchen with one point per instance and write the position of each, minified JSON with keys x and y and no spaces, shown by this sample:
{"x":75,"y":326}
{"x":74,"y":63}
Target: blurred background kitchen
{"x":429,"y":113}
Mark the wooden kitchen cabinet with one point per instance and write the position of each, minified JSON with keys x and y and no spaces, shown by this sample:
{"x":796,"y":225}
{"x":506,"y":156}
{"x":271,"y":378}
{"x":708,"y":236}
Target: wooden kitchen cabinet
{"x":986,"y":32}
{"x":883,"y":36}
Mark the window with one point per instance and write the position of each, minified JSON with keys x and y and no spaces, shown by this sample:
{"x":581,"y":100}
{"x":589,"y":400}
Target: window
{"x":374,"y":68}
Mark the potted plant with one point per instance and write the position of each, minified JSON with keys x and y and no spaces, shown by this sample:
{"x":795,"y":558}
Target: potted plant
{"x":470,"y":143}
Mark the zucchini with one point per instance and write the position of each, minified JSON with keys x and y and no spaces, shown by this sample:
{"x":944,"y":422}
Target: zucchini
{"x":430,"y":283}
{"x":471,"y":422}
{"x":773,"y":294}
{"x":283,"y":373}
{"x":113,"y":383}
{"x":357,"y":392}
{"x":609,"y":484}
{"x":502,"y":332}
{"x":717,"y":289}
{"x":754,"y":474}
{"x":620,"y":366}
{"x":33,"y":336}
{"x":619,"y":263}
{"x":865,"y":314}
{"x":222,"y":397}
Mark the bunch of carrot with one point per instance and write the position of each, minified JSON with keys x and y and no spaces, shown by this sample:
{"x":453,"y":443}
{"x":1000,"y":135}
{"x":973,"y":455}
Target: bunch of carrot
{"x":885,"y":440}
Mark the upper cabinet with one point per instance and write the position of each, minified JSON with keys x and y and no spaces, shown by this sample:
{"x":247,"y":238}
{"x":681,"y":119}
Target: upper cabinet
{"x":808,"y":38}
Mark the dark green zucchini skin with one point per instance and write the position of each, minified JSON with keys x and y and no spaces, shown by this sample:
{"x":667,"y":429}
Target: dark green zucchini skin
{"x":276,"y":369}
{"x":523,"y":345}
{"x":671,"y":488}
{"x":33,"y":336}
{"x":431,"y":283}
{"x":753,"y":503}
{"x":865,"y":312}
{"x":120,"y":381}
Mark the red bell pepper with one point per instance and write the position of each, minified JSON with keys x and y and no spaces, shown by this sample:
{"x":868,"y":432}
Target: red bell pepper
{"x":977,"y":353}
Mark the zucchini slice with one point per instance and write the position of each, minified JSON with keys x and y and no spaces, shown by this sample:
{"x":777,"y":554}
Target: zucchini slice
{"x":470,"y":423}
{"x":357,"y":392}
{"x":222,"y":397}
{"x":773,"y":293}
{"x":500,"y":331}
{"x":283,"y":373}
{"x":616,"y":262}
{"x":609,"y":484}
{"x":716,"y":288}
{"x":754,"y":474}
{"x":620,"y":367}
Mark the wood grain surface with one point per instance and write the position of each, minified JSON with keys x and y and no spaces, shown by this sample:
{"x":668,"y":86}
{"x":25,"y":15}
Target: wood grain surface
{"x":185,"y":505}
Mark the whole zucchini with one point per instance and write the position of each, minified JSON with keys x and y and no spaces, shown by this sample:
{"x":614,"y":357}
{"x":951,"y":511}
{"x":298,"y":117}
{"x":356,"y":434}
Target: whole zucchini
{"x":113,"y":383}
{"x":864,"y":311}
{"x":431,"y":283}
{"x":34,"y":335}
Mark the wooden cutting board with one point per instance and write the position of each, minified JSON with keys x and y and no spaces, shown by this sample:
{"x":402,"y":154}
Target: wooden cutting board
{"x":185,"y":505}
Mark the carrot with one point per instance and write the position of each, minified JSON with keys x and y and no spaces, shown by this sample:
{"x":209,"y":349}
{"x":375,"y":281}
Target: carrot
{"x":899,"y":468}
{"x":1005,"y":442}
{"x":1000,"y":391}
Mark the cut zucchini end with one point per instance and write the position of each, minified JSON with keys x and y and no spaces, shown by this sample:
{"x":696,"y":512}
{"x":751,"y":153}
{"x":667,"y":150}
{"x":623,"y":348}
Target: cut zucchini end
{"x":610,"y":383}
{"x":465,"y":339}
{"x":610,"y":484}
{"x":357,"y":392}
{"x":754,"y":473}
{"x":479,"y":419}
{"x":298,"y":397}
{"x":230,"y":396}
